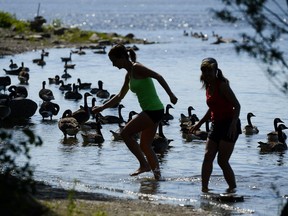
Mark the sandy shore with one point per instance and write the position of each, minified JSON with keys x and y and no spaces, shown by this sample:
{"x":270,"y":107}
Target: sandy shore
{"x":83,"y":203}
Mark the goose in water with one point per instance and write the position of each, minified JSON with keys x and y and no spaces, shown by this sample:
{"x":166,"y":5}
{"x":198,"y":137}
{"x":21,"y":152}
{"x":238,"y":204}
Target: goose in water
{"x":250,"y":129}
{"x":82,"y":115}
{"x":17,"y":91}
{"x":273,"y":135}
{"x":160,"y":143}
{"x":102,"y":93}
{"x":66,"y":75}
{"x":111,"y":119}
{"x":184,"y":118}
{"x":12,"y":65}
{"x":69,"y":66}
{"x":4,"y":82}
{"x":45,"y":53}
{"x":46,"y":94}
{"x":95,"y":137}
{"x":54,"y":80}
{"x":64,"y":87}
{"x":167,"y":116}
{"x":278,"y":146}
{"x":23,"y":77}
{"x":48,"y":109}
{"x":199,"y":134}
{"x":68,"y":124}
{"x":74,"y":94}
{"x":116,"y":135}
{"x":83,"y":85}
{"x":67,"y":59}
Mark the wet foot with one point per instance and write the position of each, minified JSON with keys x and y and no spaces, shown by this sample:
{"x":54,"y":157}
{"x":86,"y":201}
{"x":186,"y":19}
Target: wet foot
{"x":157,"y":174}
{"x":140,"y":170}
{"x":231,"y":190}
{"x":205,"y":189}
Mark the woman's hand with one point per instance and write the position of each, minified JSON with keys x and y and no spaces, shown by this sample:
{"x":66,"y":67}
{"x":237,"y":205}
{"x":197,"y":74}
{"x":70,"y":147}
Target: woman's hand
{"x":173,"y":99}
{"x":194,"y":128}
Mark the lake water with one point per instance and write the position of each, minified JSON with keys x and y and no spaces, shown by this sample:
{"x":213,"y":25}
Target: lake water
{"x":261,"y":178}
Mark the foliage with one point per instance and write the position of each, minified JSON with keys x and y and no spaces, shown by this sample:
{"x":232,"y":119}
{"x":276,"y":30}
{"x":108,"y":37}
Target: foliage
{"x":9,"y":21}
{"x":16,"y":183}
{"x":269,"y":21}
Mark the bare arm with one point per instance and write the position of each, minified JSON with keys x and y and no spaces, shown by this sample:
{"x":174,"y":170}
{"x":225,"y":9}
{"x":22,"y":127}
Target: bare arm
{"x":116,"y":99}
{"x":205,"y":118}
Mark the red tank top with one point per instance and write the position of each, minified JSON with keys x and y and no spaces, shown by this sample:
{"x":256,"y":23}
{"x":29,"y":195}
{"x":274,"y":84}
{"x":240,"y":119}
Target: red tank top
{"x":221,"y":109}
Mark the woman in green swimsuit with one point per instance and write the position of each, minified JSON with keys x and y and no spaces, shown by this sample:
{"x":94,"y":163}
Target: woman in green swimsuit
{"x":139,"y":80}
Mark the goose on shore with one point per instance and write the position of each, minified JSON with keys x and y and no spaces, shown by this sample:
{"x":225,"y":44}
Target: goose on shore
{"x":273,"y":135}
{"x":250,"y":129}
{"x":278,"y":146}
{"x":68,"y":125}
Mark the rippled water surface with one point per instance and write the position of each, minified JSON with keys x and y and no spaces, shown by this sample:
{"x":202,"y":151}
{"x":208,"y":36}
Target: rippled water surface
{"x":261,"y":178}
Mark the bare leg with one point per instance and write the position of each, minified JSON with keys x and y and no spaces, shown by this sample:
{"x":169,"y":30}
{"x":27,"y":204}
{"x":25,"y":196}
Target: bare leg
{"x":207,"y":165}
{"x":225,"y":151}
{"x":139,"y":123}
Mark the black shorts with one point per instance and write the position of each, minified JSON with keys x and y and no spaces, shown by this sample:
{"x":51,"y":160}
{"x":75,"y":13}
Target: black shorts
{"x":155,"y":115}
{"x":219,"y":131}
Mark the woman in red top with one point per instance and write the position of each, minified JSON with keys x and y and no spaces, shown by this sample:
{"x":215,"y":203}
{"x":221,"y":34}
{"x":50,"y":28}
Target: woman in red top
{"x":223,"y":112}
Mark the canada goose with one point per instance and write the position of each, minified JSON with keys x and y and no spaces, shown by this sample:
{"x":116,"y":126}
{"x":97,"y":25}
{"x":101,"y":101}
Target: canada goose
{"x":23,"y":77}
{"x":44,"y":53}
{"x":100,"y":50}
{"x":17,"y":91}
{"x":69,"y":66}
{"x":160,"y":143}
{"x":250,"y":129}
{"x":95,"y":90}
{"x":64,"y":87}
{"x":38,"y":59}
{"x":79,"y":51}
{"x":94,"y":137}
{"x":68,"y":125}
{"x":66,"y":75}
{"x":5,"y":109}
{"x":185,"y":126}
{"x":67,"y":59}
{"x":12,"y":65}
{"x":13,"y":71}
{"x":23,"y":67}
{"x":83,"y":85}
{"x":54,"y":80}
{"x":167,"y":116}
{"x":198,"y":135}
{"x":41,"y":62}
{"x":48,"y":109}
{"x":184,"y":118}
{"x":82,"y":115}
{"x":22,"y":108}
{"x":102,"y":93}
{"x":273,"y":135}
{"x":277,"y":146}
{"x":74,"y":94}
{"x":110,"y":119}
{"x":46,"y":94}
{"x":4,"y":82}
{"x":116,"y":135}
